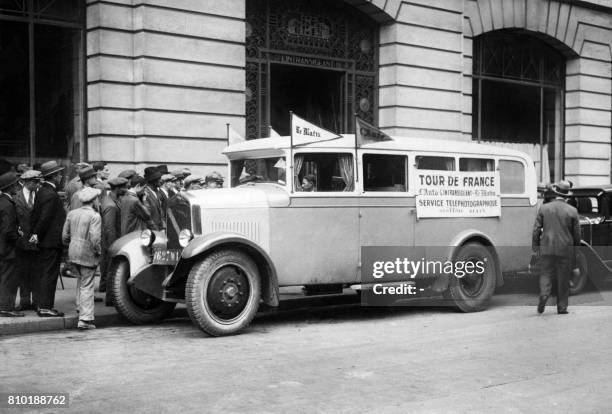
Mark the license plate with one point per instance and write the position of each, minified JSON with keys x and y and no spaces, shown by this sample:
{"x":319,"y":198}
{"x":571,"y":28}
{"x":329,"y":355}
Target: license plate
{"x":166,"y":257}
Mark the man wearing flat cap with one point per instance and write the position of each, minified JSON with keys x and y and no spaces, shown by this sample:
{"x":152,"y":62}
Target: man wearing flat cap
{"x":46,"y":225}
{"x":110,"y":210}
{"x":556,"y":234}
{"x":82,"y":234}
{"x":152,"y":199}
{"x":26,"y":252}
{"x":9,"y":185}
{"x":214,"y":180}
{"x":89,"y":179}
{"x":194,"y":182}
{"x":166,"y":191}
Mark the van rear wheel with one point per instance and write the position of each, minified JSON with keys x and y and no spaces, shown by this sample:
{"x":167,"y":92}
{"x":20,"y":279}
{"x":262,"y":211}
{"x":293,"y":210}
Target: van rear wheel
{"x":133,"y":304}
{"x":223,"y":292}
{"x":472,"y":291}
{"x":579,"y":281}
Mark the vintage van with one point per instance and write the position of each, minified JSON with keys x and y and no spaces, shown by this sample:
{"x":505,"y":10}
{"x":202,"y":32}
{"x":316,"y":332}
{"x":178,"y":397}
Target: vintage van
{"x":225,"y":251}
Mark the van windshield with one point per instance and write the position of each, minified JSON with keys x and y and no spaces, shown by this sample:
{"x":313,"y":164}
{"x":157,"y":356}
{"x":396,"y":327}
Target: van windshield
{"x":258,"y":170}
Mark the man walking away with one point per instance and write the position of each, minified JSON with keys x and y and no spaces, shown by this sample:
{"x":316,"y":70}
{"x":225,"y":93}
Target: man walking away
{"x":556,"y":233}
{"x":47,"y":221}
{"x":26,"y":253}
{"x":9,"y":185}
{"x":82,"y":234}
{"x":110,"y":211}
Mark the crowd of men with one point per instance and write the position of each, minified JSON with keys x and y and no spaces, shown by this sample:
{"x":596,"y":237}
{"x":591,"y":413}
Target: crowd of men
{"x":38,"y":221}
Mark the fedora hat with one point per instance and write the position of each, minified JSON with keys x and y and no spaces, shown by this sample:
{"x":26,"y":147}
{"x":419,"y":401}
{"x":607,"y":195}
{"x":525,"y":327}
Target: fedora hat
{"x":8,"y":179}
{"x":50,"y":167}
{"x":86,"y":173}
{"x":561,"y":188}
{"x":152,"y":174}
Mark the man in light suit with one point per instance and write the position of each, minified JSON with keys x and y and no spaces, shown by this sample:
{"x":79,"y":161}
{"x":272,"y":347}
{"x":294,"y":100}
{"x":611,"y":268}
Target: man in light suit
{"x":556,"y":233}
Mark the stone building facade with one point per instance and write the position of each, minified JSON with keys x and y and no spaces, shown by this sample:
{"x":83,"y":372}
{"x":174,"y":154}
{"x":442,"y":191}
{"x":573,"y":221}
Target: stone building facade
{"x":164,"y":78}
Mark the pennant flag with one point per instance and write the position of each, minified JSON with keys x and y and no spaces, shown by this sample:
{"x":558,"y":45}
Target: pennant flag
{"x":273,"y":133}
{"x":232,"y":136}
{"x":280,"y":164}
{"x":303,"y":132}
{"x":366,"y":133}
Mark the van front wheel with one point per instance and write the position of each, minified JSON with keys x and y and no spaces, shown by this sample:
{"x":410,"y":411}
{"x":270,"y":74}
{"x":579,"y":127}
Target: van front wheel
{"x":473,"y":283}
{"x":223,"y":292}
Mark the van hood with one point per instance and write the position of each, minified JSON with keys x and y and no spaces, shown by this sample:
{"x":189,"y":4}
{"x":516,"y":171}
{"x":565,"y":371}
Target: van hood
{"x":246,"y":196}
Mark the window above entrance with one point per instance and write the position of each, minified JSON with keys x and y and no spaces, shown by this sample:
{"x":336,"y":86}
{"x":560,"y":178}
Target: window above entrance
{"x":313,"y":57}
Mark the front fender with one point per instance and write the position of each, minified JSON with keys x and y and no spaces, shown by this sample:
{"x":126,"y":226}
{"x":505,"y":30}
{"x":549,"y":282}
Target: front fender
{"x":201,"y":245}
{"x":137,"y":255}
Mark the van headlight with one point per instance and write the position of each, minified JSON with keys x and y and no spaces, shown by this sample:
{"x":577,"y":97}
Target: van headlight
{"x":147,"y":237}
{"x":185,"y":236}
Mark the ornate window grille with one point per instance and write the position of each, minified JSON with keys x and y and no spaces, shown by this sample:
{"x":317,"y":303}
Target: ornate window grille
{"x":310,"y":33}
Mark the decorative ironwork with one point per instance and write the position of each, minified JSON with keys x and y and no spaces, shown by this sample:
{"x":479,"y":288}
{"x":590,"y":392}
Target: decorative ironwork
{"x":311,"y":33}
{"x":512,"y":55}
{"x":18,"y":7}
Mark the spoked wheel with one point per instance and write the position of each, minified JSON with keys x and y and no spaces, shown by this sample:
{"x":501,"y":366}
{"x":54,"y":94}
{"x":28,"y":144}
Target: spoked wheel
{"x":223,"y":292}
{"x":133,"y":304}
{"x":471,"y":291}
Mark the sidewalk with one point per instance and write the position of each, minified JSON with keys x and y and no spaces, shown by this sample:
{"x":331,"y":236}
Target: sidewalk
{"x":292,"y":299}
{"x":64,"y":302}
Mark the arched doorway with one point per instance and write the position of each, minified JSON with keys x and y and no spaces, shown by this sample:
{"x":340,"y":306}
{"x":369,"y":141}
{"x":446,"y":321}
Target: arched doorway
{"x":518,"y":97}
{"x":314,"y":57}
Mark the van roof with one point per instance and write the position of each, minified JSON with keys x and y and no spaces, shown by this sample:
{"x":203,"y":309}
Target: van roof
{"x":276,"y":146}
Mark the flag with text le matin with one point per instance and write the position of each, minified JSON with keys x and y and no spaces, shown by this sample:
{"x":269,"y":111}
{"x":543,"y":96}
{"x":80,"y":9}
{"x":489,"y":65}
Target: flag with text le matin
{"x":303,"y":132}
{"x":366,"y":133}
{"x":233,"y":137}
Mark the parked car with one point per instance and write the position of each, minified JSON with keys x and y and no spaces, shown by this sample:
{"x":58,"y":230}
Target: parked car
{"x":594,"y":258}
{"x":227,"y":250}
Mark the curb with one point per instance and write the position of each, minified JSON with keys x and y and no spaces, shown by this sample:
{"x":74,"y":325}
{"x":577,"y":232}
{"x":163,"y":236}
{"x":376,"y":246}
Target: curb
{"x":31,"y":325}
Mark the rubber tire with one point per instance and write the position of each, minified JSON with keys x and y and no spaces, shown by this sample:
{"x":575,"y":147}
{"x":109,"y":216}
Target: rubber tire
{"x":195,"y":292}
{"x":581,"y":281}
{"x":125,"y":305}
{"x":462,"y":301}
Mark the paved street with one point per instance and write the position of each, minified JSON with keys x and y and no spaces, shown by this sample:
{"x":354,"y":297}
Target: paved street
{"x":340,"y":359}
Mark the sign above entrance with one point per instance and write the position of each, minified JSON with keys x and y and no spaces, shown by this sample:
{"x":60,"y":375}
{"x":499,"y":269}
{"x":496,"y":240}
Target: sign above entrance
{"x":304,"y":132}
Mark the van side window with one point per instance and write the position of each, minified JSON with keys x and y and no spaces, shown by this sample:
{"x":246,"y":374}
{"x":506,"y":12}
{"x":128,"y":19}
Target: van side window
{"x":425,"y":162}
{"x":319,"y":172}
{"x":511,"y":177}
{"x":476,"y":164}
{"x":383,"y":172}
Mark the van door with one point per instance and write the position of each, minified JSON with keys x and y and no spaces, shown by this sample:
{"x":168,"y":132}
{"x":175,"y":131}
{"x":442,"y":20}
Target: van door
{"x":314,"y":240}
{"x":386,"y":212}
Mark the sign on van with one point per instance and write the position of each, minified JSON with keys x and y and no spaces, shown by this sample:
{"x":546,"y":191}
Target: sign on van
{"x":457,"y":194}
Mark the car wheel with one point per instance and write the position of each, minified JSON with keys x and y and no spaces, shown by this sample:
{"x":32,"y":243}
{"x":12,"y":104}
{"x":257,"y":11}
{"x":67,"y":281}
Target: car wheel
{"x":472,"y":292}
{"x":223,"y":292}
{"x":578,"y":282}
{"x":135,"y":305}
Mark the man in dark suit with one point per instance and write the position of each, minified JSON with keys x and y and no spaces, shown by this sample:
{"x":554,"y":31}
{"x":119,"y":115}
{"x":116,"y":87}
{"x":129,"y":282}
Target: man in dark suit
{"x":151,"y":197}
{"x":9,"y":185}
{"x":26,"y":253}
{"x":556,"y":234}
{"x":47,"y":222}
{"x":110,"y":210}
